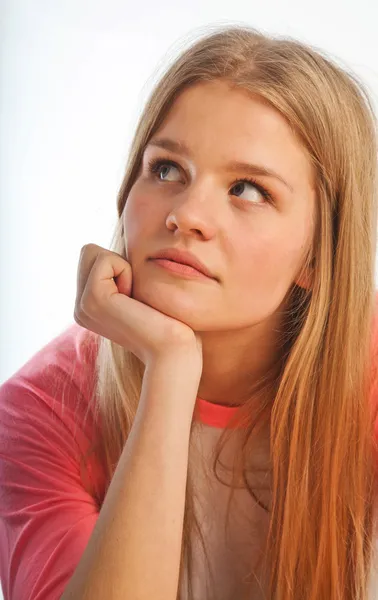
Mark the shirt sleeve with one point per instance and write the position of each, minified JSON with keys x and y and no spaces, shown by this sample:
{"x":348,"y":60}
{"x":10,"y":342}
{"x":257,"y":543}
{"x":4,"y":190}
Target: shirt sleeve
{"x":46,"y":515}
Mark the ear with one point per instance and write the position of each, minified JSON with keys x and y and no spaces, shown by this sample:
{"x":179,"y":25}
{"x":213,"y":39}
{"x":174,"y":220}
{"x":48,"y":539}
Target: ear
{"x":304,"y":282}
{"x":306,"y":279}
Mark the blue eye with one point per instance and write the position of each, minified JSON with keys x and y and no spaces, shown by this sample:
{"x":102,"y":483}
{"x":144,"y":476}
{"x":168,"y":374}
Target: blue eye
{"x":264,"y":192}
{"x":155,"y":164}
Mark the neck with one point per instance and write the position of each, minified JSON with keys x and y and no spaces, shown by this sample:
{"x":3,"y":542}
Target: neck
{"x":234,"y":361}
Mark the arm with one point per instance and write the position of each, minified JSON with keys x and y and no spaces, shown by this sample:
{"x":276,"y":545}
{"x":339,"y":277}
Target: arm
{"x":135,"y":549}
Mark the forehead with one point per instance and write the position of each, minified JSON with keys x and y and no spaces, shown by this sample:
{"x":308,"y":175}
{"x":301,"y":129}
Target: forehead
{"x":222,"y":123}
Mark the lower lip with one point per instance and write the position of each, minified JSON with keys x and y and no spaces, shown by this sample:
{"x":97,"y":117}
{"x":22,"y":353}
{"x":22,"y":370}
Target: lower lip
{"x":180,"y":269}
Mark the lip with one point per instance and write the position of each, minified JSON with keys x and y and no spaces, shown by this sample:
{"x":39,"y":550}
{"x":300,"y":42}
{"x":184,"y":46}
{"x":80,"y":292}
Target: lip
{"x":185,"y":258}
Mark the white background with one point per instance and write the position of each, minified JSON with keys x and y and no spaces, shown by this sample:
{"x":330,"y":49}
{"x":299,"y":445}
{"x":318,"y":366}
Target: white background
{"x":74,"y":77}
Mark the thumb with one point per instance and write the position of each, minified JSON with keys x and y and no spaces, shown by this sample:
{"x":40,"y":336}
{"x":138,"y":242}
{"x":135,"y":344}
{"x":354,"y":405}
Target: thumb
{"x":123,"y":281}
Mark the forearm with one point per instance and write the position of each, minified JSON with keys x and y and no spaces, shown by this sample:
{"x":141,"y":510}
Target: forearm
{"x":134,"y":551}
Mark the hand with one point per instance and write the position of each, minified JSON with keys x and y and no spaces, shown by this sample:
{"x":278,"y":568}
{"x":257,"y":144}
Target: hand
{"x":103,"y":305}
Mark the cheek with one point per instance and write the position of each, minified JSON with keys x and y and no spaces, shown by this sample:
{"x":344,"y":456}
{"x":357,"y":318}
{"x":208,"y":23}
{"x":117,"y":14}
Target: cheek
{"x":266,"y":262}
{"x":139,"y":218}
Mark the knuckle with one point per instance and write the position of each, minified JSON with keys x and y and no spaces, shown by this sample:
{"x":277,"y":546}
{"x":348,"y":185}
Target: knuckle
{"x":88,"y":305}
{"x":87,"y":248}
{"x":78,"y":316}
{"x":103,"y":254}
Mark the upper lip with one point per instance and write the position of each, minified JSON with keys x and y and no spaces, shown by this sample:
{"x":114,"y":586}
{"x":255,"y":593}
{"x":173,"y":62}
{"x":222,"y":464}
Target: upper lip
{"x":184,"y":257}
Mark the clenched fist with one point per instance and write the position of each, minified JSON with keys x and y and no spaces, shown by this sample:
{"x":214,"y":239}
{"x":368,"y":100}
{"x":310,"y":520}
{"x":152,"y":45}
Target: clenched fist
{"x":104,"y":305}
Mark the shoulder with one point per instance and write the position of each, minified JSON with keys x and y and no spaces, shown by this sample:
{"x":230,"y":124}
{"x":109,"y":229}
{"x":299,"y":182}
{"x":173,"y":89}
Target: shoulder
{"x":47,"y":514}
{"x":54,"y":386}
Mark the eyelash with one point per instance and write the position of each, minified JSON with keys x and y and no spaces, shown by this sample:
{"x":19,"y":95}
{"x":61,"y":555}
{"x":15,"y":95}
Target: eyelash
{"x":154,"y":165}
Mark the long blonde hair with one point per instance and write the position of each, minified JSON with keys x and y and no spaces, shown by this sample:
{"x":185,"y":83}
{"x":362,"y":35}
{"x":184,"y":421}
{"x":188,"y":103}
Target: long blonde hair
{"x":317,"y":404}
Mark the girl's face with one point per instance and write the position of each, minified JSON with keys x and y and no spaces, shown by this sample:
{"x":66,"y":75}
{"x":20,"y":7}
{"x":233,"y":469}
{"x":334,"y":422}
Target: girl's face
{"x":251,"y":236}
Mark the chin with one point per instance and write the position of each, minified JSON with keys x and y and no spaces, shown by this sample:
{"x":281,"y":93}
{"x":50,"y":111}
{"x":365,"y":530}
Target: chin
{"x":172,"y":301}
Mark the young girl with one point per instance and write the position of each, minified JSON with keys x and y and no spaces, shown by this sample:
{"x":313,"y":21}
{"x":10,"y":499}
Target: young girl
{"x":206,"y":428}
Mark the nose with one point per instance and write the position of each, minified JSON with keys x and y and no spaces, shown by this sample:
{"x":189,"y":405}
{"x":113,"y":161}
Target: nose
{"x":194,"y":214}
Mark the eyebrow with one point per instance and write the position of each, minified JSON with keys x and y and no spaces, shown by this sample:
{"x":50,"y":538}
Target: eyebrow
{"x":180,"y":147}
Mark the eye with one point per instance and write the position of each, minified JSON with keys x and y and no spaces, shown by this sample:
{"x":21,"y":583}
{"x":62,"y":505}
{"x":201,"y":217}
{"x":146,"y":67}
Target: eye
{"x":155,"y":164}
{"x":267,"y":197}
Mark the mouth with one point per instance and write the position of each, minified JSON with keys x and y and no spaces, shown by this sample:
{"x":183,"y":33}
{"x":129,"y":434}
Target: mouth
{"x":180,"y":269}
{"x":183,"y":262}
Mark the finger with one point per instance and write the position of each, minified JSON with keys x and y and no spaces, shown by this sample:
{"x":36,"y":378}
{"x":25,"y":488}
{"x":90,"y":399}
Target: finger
{"x":88,"y":255}
{"x":108,"y":272}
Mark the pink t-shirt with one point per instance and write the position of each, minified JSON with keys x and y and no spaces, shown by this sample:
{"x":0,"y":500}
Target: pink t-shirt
{"x":46,"y":515}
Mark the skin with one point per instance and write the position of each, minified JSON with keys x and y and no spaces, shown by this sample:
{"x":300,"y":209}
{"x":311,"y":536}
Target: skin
{"x":254,"y":248}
